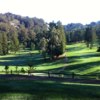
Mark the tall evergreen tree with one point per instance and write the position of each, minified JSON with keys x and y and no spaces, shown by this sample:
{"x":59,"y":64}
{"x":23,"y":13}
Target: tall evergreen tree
{"x":98,"y":38}
{"x":89,"y":36}
{"x":57,"y":42}
{"x":1,"y":49}
{"x":15,"y":42}
{"x":43,"y":47}
{"x":4,"y":43}
{"x":62,"y":37}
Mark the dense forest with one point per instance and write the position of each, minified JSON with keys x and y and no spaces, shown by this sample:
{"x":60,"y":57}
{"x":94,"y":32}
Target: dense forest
{"x":89,"y":33}
{"x":18,"y":32}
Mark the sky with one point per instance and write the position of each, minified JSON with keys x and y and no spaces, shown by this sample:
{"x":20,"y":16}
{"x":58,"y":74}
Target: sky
{"x":67,"y":11}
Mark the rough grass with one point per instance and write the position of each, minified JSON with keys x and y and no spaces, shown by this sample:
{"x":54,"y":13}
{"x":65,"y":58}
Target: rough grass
{"x":47,"y":90}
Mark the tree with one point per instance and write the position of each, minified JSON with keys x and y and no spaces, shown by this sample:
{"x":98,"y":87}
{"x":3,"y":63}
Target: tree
{"x":32,"y":46}
{"x":6,"y":68}
{"x":16,"y":69}
{"x":30,"y":63}
{"x":3,"y":43}
{"x":23,"y":35}
{"x":14,"y":42}
{"x":31,"y":39}
{"x":98,"y":38}
{"x":62,"y":37}
{"x":89,"y":36}
{"x":43,"y":47}
{"x":4,"y":28}
{"x":57,"y":41}
{"x":1,"y":49}
{"x":23,"y":70}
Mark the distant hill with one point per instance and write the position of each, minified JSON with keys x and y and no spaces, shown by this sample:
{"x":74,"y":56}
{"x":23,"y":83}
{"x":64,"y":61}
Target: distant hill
{"x":29,"y":23}
{"x":73,"y":26}
{"x":38,"y":24}
{"x":78,"y":26}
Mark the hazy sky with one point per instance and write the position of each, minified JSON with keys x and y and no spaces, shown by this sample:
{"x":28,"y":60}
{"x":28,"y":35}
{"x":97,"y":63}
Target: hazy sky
{"x":66,"y":11}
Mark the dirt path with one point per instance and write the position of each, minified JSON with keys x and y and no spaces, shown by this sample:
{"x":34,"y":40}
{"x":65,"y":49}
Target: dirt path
{"x":45,"y":78}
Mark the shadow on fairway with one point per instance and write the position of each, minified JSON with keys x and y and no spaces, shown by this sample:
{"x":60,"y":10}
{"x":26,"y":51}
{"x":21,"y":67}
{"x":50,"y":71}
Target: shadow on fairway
{"x":32,"y":90}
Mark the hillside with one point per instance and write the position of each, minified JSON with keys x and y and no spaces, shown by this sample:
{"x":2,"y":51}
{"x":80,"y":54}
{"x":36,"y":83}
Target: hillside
{"x":17,"y":20}
{"x":80,"y":60}
{"x":22,"y":35}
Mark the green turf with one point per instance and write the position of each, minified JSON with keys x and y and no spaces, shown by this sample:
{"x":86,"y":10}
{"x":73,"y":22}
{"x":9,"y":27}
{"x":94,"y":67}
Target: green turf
{"x":47,"y":90}
{"x":81,"y":60}
{"x":20,"y":60}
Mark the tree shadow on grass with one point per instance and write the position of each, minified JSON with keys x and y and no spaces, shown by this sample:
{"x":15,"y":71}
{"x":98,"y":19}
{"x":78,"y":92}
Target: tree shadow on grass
{"x":22,"y":56}
{"x":32,"y":90}
{"x":19,"y":60}
{"x":72,"y":59}
{"x":71,"y":49}
{"x":89,"y":55}
{"x":82,"y":66}
{"x":37,"y":61}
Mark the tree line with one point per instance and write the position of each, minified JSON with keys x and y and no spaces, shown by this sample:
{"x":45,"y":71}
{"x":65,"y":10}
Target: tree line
{"x":89,"y":34}
{"x":17,"y":32}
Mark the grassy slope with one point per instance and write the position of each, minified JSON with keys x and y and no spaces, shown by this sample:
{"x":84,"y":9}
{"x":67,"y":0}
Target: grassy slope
{"x":47,"y":90}
{"x":21,"y":58}
{"x":81,"y":60}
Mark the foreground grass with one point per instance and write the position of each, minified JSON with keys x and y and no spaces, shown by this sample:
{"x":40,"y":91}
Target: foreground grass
{"x":47,"y":90}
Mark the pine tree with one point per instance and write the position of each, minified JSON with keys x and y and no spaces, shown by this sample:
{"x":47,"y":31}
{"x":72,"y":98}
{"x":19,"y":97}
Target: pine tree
{"x":98,"y":38}
{"x":4,"y":43}
{"x":4,"y":28}
{"x":43,"y":47}
{"x":57,"y":41}
{"x":89,"y":37}
{"x":62,"y":37}
{"x":13,"y":41}
{"x":1,"y":51}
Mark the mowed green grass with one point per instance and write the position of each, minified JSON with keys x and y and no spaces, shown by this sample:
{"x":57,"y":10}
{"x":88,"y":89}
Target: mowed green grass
{"x":20,"y":59}
{"x":81,"y":60}
{"x":47,"y":90}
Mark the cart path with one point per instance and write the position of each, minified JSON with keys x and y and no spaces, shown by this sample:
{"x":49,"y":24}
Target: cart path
{"x":45,"y":78}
